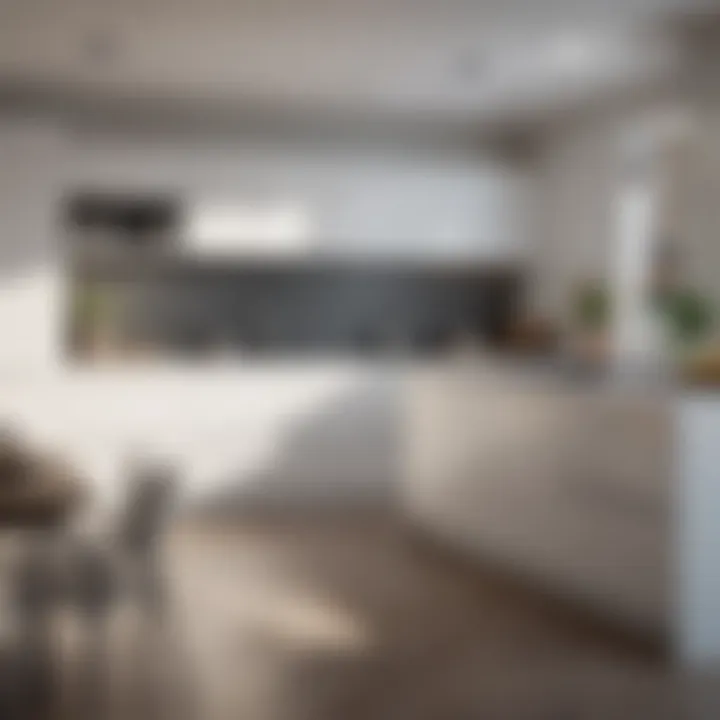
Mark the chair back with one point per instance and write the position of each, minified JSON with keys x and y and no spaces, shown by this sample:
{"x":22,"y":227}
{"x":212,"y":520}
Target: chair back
{"x":151,"y":492}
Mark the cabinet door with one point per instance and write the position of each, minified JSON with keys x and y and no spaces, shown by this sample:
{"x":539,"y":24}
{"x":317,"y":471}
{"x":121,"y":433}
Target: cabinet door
{"x":503,"y":495}
{"x":613,"y":505}
{"x":620,"y":454}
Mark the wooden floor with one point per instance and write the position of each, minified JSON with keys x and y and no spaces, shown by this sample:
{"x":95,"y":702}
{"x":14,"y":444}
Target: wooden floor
{"x":349,"y":619}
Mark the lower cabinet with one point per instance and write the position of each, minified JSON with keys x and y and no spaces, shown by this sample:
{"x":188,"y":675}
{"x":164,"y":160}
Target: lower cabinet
{"x":569,"y":488}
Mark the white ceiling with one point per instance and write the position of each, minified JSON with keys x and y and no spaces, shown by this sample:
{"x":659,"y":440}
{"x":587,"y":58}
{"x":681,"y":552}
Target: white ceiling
{"x":445,"y":58}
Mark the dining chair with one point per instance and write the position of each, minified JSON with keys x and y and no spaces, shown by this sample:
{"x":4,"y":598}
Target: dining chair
{"x":123,"y":564}
{"x":92,"y":575}
{"x":33,"y":598}
{"x":126,"y":561}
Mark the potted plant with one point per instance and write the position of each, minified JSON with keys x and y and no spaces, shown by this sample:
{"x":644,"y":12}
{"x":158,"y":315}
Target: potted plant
{"x":689,"y":318}
{"x":95,"y":319}
{"x":591,"y":317}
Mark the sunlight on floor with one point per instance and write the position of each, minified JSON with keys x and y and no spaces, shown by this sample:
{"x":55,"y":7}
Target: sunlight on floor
{"x":311,"y":623}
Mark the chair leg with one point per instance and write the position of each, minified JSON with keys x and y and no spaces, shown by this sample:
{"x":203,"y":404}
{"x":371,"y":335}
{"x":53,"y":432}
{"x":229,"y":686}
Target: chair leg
{"x":92,"y":700}
{"x":34,"y":693}
{"x":151,"y":589}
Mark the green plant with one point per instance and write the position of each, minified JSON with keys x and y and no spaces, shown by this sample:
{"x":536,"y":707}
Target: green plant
{"x":689,"y":315}
{"x":94,"y":310}
{"x":592,"y":306}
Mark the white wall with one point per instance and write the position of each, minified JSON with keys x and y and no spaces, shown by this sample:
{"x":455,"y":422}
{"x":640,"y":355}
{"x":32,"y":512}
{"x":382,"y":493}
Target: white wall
{"x":32,"y":158}
{"x":576,"y":179}
{"x":698,"y":207}
{"x":580,"y":175}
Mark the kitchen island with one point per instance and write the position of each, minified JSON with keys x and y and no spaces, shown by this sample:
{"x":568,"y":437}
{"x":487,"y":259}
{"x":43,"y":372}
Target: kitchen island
{"x":602,"y":492}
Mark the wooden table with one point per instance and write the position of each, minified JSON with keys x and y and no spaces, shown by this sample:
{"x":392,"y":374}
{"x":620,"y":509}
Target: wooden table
{"x":46,"y":500}
{"x":32,"y":511}
{"x":38,"y":507}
